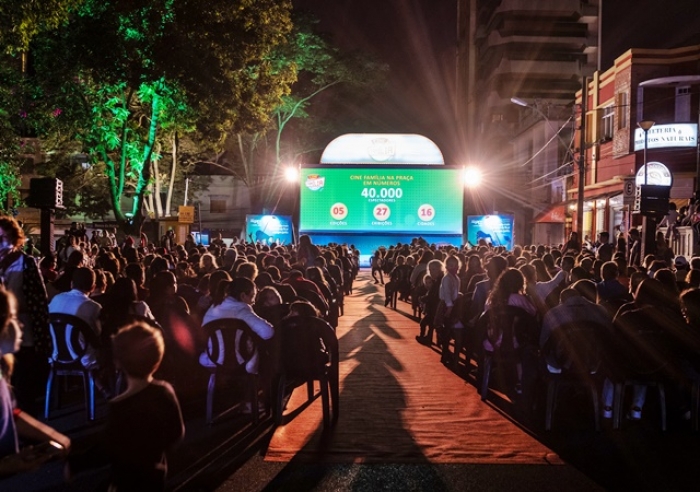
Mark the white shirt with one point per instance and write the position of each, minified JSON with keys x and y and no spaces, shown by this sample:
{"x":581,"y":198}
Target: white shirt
{"x":232,"y":308}
{"x":77,"y":303}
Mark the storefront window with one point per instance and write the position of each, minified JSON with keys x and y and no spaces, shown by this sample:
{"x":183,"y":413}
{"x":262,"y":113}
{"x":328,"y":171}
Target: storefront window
{"x":617,"y":217}
{"x":588,"y":224}
{"x":600,"y":219}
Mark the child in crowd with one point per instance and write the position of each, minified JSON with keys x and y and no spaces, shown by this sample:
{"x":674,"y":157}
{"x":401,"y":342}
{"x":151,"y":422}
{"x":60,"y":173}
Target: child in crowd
{"x":145,"y":420}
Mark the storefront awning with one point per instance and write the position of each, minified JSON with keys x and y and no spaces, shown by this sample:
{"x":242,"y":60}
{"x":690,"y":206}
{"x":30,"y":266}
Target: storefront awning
{"x":554,"y":214}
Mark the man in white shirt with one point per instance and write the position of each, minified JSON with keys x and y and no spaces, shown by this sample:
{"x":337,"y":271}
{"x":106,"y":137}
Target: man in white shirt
{"x":237,"y":304}
{"x":78,"y":303}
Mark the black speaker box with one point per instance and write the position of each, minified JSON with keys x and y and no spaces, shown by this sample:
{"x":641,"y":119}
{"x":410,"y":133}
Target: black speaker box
{"x":45,"y":193}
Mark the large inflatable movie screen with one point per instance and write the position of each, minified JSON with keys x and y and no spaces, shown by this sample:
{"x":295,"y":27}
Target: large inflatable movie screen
{"x":268,"y":229}
{"x":496,"y":230}
{"x":416,"y":200}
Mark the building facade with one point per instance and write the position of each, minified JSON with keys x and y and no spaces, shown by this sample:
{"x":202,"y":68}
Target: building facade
{"x":662,"y":86}
{"x":536,"y":53}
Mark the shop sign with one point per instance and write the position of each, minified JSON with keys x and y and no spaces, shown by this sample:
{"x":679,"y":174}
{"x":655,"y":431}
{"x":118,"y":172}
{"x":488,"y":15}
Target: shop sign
{"x":666,"y":136}
{"x":656,"y":174}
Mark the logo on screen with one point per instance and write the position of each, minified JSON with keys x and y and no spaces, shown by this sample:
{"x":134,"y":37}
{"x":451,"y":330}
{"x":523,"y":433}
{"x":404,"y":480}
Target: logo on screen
{"x":315,"y":182}
{"x":381,"y":149}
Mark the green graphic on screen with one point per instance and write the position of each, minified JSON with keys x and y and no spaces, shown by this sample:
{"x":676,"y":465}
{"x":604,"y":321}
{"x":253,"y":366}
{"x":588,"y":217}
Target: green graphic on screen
{"x":377,"y":200}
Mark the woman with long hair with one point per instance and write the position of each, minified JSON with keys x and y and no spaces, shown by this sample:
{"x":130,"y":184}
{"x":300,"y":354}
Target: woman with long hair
{"x":513,"y":329}
{"x":474,"y":270}
{"x":541,"y":270}
{"x":121,"y":306}
{"x":20,"y":274}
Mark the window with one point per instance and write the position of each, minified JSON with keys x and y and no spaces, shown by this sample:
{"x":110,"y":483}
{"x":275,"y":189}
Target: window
{"x":683,"y":103}
{"x":621,"y":101}
{"x":217,"y":205}
{"x":607,"y":120}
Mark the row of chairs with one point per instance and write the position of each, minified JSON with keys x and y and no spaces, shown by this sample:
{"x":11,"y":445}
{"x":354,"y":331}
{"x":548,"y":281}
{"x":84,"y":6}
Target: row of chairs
{"x":304,"y":350}
{"x":308,"y":352}
{"x":579,"y":350}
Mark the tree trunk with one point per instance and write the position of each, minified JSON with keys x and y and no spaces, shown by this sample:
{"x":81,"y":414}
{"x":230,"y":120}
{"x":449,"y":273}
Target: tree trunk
{"x":173,"y":167}
{"x":156,"y":190}
{"x":136,"y":220}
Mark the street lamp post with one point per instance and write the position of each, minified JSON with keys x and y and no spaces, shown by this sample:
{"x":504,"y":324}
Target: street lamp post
{"x":648,"y":222}
{"x":646,"y":126}
{"x":582,"y":160}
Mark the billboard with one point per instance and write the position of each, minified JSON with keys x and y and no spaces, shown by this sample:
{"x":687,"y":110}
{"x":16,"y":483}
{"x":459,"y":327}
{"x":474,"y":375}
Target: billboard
{"x":381,"y":200}
{"x":267,"y":229}
{"x":496,"y":230}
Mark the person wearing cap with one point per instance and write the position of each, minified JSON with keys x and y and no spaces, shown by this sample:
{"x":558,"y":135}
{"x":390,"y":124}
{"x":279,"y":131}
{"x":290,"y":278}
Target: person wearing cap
{"x":682,"y":267}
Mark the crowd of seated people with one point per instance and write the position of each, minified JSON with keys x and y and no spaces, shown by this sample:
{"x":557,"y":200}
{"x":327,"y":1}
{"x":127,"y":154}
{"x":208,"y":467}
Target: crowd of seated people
{"x":514,"y":301}
{"x":468,"y":301}
{"x":174,"y":291}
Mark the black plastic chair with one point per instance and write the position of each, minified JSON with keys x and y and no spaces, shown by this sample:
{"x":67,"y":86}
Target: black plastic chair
{"x":576,"y":350}
{"x":645,"y":360}
{"x":71,"y":339}
{"x":317,"y":300}
{"x":227,"y":338}
{"x":309,"y":352}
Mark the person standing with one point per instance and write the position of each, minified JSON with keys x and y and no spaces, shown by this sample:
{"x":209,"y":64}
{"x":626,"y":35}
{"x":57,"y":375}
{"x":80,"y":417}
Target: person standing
{"x":21,"y":275}
{"x":377,"y":262}
{"x":451,"y":321}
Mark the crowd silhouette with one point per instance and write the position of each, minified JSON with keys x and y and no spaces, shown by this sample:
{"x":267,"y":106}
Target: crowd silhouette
{"x":514,"y":320}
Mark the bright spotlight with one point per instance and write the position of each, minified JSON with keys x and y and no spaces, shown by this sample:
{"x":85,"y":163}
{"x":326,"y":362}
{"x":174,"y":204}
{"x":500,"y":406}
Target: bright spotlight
{"x":472,"y":177}
{"x":291,"y":174}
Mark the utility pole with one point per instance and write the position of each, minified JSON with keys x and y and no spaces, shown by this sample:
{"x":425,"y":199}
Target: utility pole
{"x":582,"y":159}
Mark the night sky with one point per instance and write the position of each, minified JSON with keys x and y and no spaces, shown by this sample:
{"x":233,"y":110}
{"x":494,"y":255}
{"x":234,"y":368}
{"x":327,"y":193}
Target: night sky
{"x":417,"y":38}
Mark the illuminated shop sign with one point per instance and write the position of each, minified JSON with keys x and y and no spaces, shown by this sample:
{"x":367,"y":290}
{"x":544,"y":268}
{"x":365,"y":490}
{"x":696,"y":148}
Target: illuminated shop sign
{"x":657,"y":174}
{"x":666,"y":136}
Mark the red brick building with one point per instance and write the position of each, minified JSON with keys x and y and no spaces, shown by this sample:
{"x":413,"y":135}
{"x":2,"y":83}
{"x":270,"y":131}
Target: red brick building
{"x":658,"y":85}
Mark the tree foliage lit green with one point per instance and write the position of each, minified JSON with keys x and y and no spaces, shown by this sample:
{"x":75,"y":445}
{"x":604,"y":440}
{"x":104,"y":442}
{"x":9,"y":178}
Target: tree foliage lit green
{"x":118,"y":88}
{"x":140,"y":70}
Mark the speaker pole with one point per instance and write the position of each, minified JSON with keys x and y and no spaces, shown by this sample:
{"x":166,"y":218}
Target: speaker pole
{"x":47,"y":226}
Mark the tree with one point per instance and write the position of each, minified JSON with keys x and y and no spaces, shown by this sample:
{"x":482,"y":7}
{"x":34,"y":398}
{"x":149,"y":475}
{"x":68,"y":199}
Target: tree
{"x":257,"y":157}
{"x":143,"y":69}
{"x":21,"y":21}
